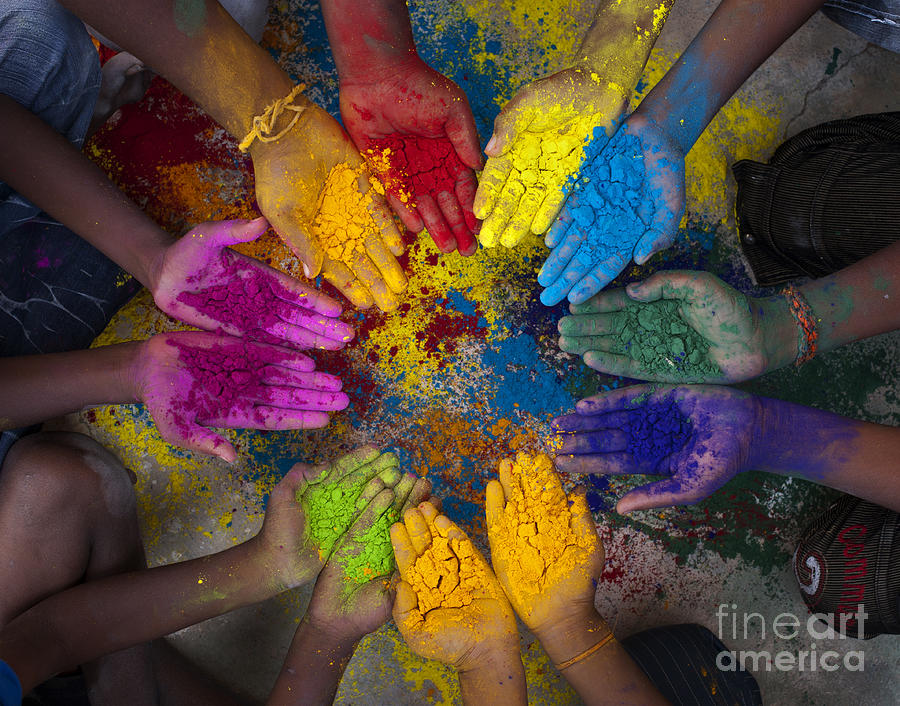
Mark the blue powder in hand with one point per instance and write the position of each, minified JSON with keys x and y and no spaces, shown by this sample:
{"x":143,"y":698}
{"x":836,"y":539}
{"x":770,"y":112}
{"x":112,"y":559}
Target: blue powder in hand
{"x":655,"y":431}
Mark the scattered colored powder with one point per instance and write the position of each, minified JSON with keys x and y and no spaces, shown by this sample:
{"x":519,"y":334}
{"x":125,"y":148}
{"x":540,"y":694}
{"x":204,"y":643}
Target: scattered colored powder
{"x":331,"y":509}
{"x":533,"y":537}
{"x":656,"y":336}
{"x":451,"y":573}
{"x":408,"y":165}
{"x":343,"y":222}
{"x":656,"y":430}
{"x":249,"y":300}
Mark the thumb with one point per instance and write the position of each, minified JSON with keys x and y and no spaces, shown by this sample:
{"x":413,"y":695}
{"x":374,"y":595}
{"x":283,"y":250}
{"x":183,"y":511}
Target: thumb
{"x":493,"y":506}
{"x":406,"y":613}
{"x":506,"y":127}
{"x":463,"y":135}
{"x":304,"y":247}
{"x":651,"y":243}
{"x":664,"y":493}
{"x":582,"y":523}
{"x":673,"y":284}
{"x":242,"y":231}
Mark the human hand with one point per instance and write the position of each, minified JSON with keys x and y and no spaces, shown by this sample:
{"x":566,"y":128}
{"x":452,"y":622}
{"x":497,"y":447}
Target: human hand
{"x":544,"y":546}
{"x":680,"y":327}
{"x":701,"y":436}
{"x":416,"y":129}
{"x":449,"y":604}
{"x":538,"y":145}
{"x":203,"y":282}
{"x":285,"y":544}
{"x":313,"y":187}
{"x":189,"y":380}
{"x":353,"y":594}
{"x":626,"y":204}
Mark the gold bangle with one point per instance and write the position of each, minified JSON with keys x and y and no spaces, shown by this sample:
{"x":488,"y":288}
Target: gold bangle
{"x":587,"y":653}
{"x":265,"y":123}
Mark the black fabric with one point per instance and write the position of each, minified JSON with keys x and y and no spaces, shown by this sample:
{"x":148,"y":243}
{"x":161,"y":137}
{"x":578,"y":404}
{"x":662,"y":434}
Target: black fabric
{"x":850,"y":555}
{"x":680,"y":660}
{"x":829,"y":197}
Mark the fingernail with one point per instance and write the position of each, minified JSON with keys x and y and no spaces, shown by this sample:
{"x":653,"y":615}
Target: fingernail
{"x":305,"y":269}
{"x":492,"y":143}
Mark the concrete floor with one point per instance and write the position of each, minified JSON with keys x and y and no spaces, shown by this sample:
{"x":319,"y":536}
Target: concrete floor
{"x":663,"y":567}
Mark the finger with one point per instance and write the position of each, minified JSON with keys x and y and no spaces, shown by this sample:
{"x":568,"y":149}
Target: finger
{"x":664,"y":493}
{"x":190,"y":435}
{"x":582,"y":523}
{"x":519,"y":224}
{"x":306,"y":248}
{"x":387,"y":264}
{"x":611,"y":464}
{"x":625,"y":366}
{"x":445,"y":527}
{"x":582,"y":344}
{"x":437,"y":227}
{"x":420,"y":492}
{"x":494,"y":503}
{"x":405,"y":611}
{"x":463,"y":135}
{"x":559,"y":228}
{"x":599,"y":277}
{"x":575,"y":423}
{"x":611,"y":300}
{"x":560,"y":258}
{"x":404,"y":551}
{"x":418,"y":530}
{"x":344,"y":280}
{"x":390,"y":236}
{"x":577,"y":268}
{"x":386,"y":460}
{"x":618,"y":399}
{"x":390,"y":476}
{"x":350,"y":462}
{"x":673,"y":284}
{"x":287,"y":398}
{"x":370,"y":490}
{"x":453,"y":215}
{"x":316,"y":380}
{"x":506,"y":477}
{"x":368,"y":274}
{"x":594,"y":442}
{"x":274,"y":356}
{"x":407,"y":212}
{"x":662,"y":231}
{"x":506,"y":206}
{"x":507,"y":125}
{"x":491,"y":183}
{"x":296,"y":293}
{"x":548,"y":210}
{"x":295,"y":481}
{"x":429,"y":511}
{"x":331,"y":329}
{"x":591,"y":325}
{"x":240,"y":231}
{"x":402,"y":489}
{"x":466,"y":187}
{"x":278,"y":419}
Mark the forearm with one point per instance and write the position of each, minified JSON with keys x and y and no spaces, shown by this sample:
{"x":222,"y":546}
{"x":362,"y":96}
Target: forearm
{"x":368,"y":37}
{"x":606,"y":676}
{"x":620,"y":38}
{"x":48,"y":170}
{"x":113,"y":613}
{"x":855,"y":457}
{"x":200,"y":49}
{"x":313,"y":667}
{"x":739,"y":36}
{"x":36,"y":388}
{"x":499,"y":680}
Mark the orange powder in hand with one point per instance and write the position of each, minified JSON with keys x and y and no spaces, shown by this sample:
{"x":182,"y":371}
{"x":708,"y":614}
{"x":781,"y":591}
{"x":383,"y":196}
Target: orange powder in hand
{"x":343,"y":222}
{"x":533,"y":538}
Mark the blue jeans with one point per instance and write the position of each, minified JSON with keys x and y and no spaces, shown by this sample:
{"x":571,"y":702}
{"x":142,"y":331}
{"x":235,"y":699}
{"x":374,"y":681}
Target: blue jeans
{"x":57,"y":292}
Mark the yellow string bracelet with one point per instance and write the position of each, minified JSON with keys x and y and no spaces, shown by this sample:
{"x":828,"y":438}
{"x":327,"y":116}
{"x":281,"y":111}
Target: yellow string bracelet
{"x":587,"y":653}
{"x":265,"y":123}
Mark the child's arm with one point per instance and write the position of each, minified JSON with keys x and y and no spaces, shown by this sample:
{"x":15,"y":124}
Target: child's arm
{"x":708,"y":434}
{"x":548,"y":558}
{"x":392,"y":100}
{"x":344,"y":607}
{"x":201,"y":50}
{"x":113,"y":613}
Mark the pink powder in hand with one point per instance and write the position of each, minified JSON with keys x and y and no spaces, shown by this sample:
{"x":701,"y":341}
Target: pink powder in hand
{"x":249,"y":301}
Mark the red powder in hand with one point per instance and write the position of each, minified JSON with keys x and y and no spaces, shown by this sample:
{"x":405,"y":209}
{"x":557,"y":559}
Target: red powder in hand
{"x":249,"y":301}
{"x":417,"y":165}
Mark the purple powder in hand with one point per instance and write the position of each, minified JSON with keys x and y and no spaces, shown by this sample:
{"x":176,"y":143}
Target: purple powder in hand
{"x":655,"y":431}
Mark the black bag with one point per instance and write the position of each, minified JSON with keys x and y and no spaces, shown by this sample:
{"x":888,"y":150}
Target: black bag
{"x":829,"y":197}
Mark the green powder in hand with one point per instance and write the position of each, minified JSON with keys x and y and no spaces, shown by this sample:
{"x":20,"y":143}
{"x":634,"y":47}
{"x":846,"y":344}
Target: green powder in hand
{"x":656,"y":336}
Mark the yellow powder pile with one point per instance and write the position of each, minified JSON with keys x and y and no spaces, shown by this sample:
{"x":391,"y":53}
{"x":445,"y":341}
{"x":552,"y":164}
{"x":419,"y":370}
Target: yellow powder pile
{"x":450,"y":574}
{"x":534,"y":532}
{"x":392,"y":177}
{"x":343,"y":221}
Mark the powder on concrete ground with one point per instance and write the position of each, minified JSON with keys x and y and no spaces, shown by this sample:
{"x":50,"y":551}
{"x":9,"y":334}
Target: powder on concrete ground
{"x":656,"y":336}
{"x":408,"y":165}
{"x":249,"y":300}
{"x":655,"y":430}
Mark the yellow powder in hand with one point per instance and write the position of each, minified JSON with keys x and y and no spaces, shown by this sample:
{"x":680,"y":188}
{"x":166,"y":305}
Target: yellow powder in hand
{"x":450,"y":574}
{"x":533,"y":538}
{"x":343,"y":222}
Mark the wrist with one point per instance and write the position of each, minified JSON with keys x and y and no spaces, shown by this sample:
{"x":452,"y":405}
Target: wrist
{"x":127,"y":375}
{"x":152,"y":257}
{"x":776,"y":331}
{"x":381,"y":66}
{"x":328,"y":635}
{"x":280,"y":568}
{"x":572,"y":635}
